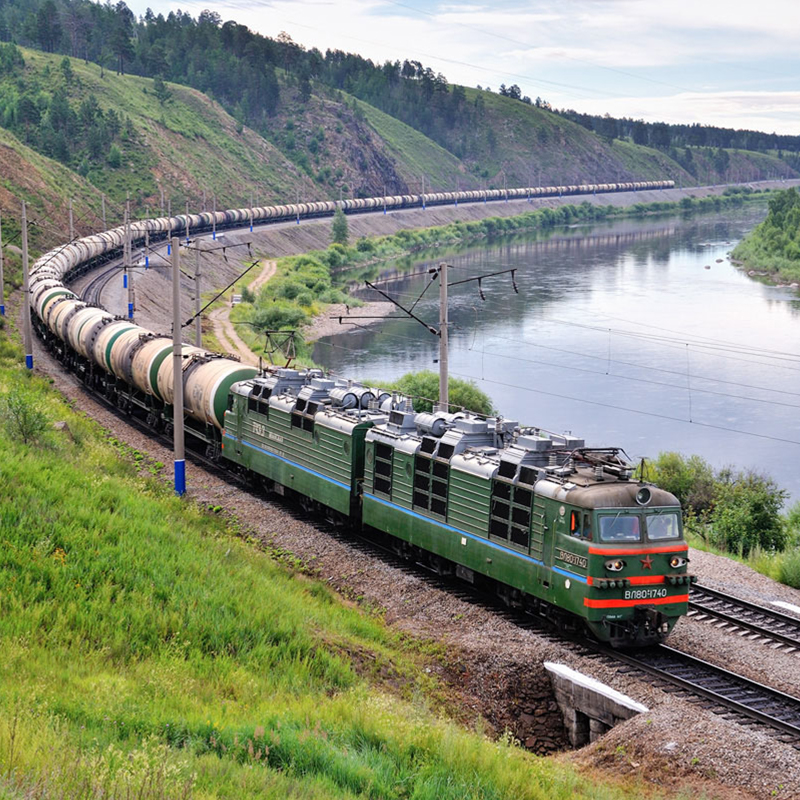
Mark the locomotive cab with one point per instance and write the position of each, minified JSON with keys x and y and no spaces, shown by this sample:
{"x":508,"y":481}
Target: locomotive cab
{"x":638,"y":585}
{"x":618,"y":559}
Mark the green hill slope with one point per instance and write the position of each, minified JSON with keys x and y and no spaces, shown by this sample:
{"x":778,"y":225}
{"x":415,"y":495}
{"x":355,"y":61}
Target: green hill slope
{"x":151,"y":651}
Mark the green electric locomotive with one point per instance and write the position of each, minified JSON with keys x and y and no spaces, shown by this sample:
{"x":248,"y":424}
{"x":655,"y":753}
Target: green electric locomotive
{"x":556,"y":527}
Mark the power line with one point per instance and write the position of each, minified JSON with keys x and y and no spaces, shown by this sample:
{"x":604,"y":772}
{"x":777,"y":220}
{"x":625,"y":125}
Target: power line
{"x":561,"y":396}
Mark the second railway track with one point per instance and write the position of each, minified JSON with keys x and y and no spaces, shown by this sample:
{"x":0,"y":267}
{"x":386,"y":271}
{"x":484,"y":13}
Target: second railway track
{"x":755,"y":622}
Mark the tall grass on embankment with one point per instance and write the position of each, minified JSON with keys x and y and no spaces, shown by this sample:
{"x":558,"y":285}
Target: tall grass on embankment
{"x":149,"y":650}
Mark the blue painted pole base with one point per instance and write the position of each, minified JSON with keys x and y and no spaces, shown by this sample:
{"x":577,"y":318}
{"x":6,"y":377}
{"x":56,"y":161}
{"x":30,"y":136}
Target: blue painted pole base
{"x":125,"y":281}
{"x":147,"y":262}
{"x":180,"y":478}
{"x":29,"y":361}
{"x":130,"y":310}
{"x":169,"y":249}
{"x":2,"y":311}
{"x":251,"y":229}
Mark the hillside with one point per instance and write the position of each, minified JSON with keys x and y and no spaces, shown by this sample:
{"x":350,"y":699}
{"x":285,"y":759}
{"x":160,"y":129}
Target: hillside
{"x":75,"y":129}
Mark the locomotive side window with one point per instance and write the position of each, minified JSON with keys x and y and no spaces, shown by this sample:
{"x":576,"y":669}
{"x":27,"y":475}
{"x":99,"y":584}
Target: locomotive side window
{"x":663,"y":526}
{"x":580,"y":525}
{"x":620,"y":528}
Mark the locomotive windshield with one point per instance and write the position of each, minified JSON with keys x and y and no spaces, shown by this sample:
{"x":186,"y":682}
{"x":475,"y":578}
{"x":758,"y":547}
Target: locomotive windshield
{"x":660,"y":526}
{"x":663,"y":526}
{"x":620,"y":528}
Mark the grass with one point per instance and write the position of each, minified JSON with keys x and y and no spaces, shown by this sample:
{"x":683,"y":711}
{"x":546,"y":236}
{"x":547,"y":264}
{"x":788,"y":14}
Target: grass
{"x":151,"y":649}
{"x":416,"y":155}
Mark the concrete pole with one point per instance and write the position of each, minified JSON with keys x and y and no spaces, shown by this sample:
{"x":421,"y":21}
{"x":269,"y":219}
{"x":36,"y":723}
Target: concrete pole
{"x":213,"y":218}
{"x":147,"y":248}
{"x":27,"y":334}
{"x":169,"y":215}
{"x":177,"y":374}
{"x":187,"y":220}
{"x":204,"y":199}
{"x":105,"y":224}
{"x":71,"y":222}
{"x":2,"y":286}
{"x":129,"y":257}
{"x":250,"y":212}
{"x":125,"y":252}
{"x":161,"y":189}
{"x":198,"y":331}
{"x":444,"y":392}
{"x":423,"y":191}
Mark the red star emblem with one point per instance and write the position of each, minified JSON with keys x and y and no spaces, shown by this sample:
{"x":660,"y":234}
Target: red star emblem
{"x":646,"y":562}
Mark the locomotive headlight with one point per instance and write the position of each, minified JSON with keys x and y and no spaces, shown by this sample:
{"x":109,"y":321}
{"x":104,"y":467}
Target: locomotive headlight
{"x":615,"y":565}
{"x":678,"y":561}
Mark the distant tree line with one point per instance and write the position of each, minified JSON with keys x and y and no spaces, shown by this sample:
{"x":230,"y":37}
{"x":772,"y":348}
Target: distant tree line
{"x":663,"y":135}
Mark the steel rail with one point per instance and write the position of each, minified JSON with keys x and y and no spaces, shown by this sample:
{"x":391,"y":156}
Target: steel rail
{"x":790,"y":636}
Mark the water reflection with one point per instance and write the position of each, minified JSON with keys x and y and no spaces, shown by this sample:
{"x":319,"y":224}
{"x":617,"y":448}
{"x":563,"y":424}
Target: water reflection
{"x":629,"y":333}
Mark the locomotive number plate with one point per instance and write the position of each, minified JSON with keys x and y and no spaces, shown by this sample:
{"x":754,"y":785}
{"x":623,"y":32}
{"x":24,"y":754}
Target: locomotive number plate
{"x":572,"y":558}
{"x":644,"y":594}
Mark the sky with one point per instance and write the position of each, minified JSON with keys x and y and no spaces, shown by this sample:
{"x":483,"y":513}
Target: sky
{"x":732,"y":63}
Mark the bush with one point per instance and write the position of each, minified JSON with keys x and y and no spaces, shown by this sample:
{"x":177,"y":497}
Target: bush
{"x":23,"y":416}
{"x":690,"y":479}
{"x":790,"y":569}
{"x":424,"y":386}
{"x":114,"y":157}
{"x":247,"y":295}
{"x":364,"y":245}
{"x":747,"y":513}
{"x":279,"y":316}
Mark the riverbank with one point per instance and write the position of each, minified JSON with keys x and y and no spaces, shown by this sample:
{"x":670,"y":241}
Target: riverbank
{"x":153,"y":288}
{"x":301,"y":299}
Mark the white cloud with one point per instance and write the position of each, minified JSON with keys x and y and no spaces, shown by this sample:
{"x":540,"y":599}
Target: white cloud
{"x":593,"y":55}
{"x":767,"y":111}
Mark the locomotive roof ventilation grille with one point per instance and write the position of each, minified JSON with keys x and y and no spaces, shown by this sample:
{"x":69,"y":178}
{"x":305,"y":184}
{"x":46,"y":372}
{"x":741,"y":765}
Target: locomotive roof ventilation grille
{"x":508,"y":469}
{"x":428,"y":444}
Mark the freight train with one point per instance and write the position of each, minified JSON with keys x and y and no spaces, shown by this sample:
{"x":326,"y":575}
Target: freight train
{"x":559,"y":528}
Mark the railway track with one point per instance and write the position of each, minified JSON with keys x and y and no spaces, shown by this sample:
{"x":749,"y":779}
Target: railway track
{"x":92,"y":291}
{"x":754,"y":622}
{"x":726,"y":693}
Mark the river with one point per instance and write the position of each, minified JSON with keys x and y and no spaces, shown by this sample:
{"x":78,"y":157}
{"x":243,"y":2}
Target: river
{"x":635,"y":333}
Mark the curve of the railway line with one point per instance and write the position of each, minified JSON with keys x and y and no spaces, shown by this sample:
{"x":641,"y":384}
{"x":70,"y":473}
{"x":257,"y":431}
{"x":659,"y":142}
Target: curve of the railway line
{"x":58,"y":310}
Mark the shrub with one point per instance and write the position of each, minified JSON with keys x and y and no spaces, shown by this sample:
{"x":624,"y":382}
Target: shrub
{"x":790,"y":568}
{"x":690,"y":479}
{"x":114,"y":157}
{"x":247,"y":295}
{"x":364,"y":245}
{"x":747,"y":513}
{"x":279,"y":316}
{"x":23,"y":416}
{"x":425,"y":386}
